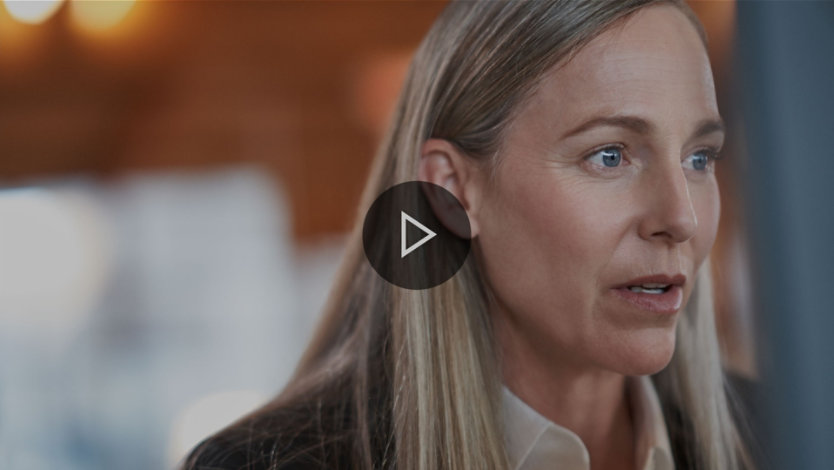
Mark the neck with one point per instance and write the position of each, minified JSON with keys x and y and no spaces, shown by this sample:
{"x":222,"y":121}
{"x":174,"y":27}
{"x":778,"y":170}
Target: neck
{"x":589,"y":401}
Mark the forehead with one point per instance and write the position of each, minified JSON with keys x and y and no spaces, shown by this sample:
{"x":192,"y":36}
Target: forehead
{"x":652,"y":64}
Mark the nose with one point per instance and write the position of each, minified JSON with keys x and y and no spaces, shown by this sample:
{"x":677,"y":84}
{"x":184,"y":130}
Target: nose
{"x":670,"y":215}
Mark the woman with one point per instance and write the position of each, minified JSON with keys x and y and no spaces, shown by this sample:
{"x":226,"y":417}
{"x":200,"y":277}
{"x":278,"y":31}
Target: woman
{"x":580,"y":137}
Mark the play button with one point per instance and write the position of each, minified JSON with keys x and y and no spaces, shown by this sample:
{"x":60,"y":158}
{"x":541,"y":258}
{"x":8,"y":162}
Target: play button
{"x":407,"y":219}
{"x":416,"y":235}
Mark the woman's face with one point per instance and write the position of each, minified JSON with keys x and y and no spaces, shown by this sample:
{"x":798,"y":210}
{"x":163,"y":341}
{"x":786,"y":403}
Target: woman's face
{"x":605,"y":177}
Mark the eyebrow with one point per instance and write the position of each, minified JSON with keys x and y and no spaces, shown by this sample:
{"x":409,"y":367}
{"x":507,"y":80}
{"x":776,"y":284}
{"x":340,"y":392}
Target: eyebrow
{"x":641,"y":126}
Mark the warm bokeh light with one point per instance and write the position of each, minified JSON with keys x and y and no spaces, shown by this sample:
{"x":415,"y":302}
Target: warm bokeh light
{"x":99,"y":14}
{"x":375,"y":85}
{"x":31,"y":11}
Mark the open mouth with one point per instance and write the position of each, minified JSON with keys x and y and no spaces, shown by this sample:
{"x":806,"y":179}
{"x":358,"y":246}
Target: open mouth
{"x":650,"y":288}
{"x":659,"y":298}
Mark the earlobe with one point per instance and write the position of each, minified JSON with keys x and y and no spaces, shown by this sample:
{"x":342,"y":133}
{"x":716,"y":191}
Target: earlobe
{"x":442,"y":164}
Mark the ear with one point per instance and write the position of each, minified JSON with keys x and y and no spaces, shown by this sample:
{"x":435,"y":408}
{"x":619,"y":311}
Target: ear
{"x":441,"y":163}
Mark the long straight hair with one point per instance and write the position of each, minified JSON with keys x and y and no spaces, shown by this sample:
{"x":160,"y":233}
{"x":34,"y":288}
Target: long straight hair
{"x":415,"y":373}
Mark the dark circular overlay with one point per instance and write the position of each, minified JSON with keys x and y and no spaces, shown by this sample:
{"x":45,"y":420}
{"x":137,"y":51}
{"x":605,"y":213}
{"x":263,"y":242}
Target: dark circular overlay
{"x":416,"y":235}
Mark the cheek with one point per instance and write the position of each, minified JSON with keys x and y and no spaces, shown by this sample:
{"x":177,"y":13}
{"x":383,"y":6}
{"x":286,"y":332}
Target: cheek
{"x":708,"y":210}
{"x":546,"y":241}
{"x":553,"y":225}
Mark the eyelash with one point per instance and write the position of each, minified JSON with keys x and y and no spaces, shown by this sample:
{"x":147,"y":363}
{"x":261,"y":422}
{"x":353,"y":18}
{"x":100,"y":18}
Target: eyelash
{"x":713,"y":153}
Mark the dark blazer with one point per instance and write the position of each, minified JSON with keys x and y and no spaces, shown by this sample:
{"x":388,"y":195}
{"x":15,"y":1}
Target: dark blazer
{"x":283,"y":438}
{"x":288,"y":438}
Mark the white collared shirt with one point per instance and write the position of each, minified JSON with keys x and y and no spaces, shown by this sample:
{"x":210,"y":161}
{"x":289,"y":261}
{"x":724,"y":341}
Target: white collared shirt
{"x":535,"y":443}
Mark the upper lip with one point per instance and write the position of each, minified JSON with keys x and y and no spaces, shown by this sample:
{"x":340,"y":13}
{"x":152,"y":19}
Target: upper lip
{"x":666,"y":279}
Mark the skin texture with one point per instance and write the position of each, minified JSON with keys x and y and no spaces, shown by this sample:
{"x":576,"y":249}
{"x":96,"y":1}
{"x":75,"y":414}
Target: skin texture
{"x":557,"y":230}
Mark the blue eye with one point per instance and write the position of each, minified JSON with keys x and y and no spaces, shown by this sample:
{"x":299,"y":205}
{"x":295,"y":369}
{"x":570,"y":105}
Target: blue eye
{"x":609,"y":157}
{"x":700,"y":160}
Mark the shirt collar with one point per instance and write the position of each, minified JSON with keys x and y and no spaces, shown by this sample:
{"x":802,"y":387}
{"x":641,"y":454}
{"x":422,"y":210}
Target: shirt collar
{"x":534,"y":442}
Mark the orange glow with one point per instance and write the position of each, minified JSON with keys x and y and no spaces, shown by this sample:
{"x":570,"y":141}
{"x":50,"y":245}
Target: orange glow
{"x":23,"y":44}
{"x":99,"y":14}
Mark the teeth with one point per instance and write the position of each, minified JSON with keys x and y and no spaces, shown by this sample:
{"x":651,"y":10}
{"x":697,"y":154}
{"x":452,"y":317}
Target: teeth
{"x":646,"y":289}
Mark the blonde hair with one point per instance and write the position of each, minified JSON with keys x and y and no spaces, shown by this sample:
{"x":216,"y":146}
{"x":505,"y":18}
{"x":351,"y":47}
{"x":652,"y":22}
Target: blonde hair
{"x":418,"y":368}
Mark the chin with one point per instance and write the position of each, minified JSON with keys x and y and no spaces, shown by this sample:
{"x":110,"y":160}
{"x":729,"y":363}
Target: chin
{"x":644,"y":353}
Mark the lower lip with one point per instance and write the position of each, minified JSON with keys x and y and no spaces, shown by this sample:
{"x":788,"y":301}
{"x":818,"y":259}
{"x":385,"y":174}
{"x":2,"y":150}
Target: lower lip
{"x":667,"y":303}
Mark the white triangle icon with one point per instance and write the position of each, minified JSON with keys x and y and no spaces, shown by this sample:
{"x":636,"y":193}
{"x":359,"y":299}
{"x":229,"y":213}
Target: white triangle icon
{"x":404,"y":250}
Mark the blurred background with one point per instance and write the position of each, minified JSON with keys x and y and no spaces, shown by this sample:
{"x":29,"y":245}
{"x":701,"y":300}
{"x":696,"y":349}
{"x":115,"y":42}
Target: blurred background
{"x":176,"y":182}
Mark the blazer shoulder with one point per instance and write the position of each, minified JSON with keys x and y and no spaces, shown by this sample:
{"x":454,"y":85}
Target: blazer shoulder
{"x":216,"y":453}
{"x":747,"y":397}
{"x":273,"y":440}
